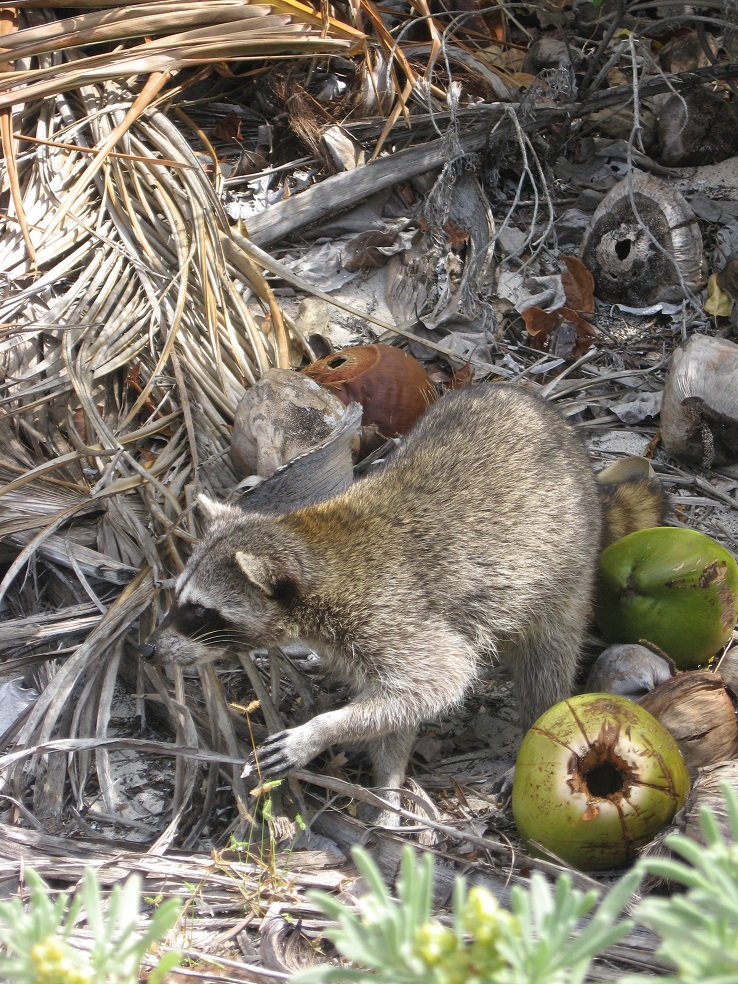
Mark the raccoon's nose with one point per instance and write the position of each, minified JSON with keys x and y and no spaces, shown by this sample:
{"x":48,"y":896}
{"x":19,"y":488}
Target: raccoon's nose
{"x":148,"y":651}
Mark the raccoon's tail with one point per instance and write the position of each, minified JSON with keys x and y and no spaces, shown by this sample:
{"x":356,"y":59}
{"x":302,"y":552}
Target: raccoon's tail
{"x":632,"y":499}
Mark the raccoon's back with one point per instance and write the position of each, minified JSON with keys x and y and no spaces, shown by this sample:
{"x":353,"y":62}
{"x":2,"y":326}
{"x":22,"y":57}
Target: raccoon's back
{"x":491,"y":478}
{"x":492,"y":449}
{"x":487,"y":519}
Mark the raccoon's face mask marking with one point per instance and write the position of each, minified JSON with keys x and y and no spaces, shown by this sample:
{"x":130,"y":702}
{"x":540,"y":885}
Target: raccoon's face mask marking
{"x":228,"y":597}
{"x":199,"y":622}
{"x":195,"y":631}
{"x":191,"y":633}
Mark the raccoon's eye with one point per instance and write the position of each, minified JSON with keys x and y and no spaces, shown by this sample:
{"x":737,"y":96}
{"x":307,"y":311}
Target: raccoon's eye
{"x":192,"y":619}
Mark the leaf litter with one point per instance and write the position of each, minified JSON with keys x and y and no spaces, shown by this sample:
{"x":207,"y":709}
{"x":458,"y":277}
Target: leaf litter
{"x":448,"y":168}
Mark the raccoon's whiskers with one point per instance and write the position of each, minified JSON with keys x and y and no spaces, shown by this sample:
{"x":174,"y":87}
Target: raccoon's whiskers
{"x":218,"y":637}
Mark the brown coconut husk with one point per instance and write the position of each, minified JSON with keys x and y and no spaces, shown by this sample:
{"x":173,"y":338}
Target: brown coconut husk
{"x":697,"y":710}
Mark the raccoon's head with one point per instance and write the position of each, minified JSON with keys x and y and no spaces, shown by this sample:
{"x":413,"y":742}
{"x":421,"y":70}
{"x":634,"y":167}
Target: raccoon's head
{"x":235,"y":592}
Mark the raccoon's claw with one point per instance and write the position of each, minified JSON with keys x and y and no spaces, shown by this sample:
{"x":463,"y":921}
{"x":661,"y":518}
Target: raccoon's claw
{"x":502,"y":787}
{"x":274,"y":758}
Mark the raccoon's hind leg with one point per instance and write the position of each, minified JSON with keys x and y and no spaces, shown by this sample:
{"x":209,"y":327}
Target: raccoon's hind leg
{"x":389,"y":755}
{"x":544,"y":670}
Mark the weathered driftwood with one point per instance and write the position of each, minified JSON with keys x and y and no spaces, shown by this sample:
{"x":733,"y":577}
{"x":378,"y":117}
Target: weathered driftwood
{"x":349,"y":188}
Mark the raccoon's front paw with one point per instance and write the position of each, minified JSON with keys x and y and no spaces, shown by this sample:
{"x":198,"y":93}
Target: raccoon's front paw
{"x":278,"y":755}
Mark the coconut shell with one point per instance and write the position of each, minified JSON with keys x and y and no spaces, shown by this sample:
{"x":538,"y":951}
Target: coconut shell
{"x":728,"y":669}
{"x":696,"y":710}
{"x":392,"y":387}
{"x":595,"y":779}
{"x":629,"y":670}
{"x":706,"y":791}
{"x":697,"y":127}
{"x":672,"y":587}
{"x":632,"y":256}
{"x":699,"y":410}
{"x":318,"y":474}
{"x":280,"y":418}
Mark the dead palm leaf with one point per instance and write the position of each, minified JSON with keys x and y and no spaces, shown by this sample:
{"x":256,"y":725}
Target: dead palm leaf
{"x":132,"y":321}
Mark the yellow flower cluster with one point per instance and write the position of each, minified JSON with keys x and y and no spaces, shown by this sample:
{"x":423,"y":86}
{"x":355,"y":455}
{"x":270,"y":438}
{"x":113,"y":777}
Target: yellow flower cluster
{"x":475,"y":957}
{"x":57,"y":963}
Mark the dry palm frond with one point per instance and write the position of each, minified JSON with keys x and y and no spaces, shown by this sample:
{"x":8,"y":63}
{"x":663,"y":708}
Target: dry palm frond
{"x":130,"y":322}
{"x":220,"y":31}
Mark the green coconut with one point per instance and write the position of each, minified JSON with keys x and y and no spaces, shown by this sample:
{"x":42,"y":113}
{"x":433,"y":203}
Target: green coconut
{"x":673,"y":587}
{"x":596,"y":778}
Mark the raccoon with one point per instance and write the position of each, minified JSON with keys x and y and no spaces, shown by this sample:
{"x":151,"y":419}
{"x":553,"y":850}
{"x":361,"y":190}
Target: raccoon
{"x":477,"y":540}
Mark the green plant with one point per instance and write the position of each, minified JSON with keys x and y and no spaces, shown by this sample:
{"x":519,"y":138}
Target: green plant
{"x":544,"y":939}
{"x":541,"y":941}
{"x":699,"y":929}
{"x":35,"y":941}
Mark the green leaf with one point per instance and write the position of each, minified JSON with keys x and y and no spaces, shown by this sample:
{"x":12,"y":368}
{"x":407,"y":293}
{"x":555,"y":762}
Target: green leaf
{"x":166,"y":962}
{"x":415,"y":889}
{"x":731,"y":803}
{"x":370,"y":873}
{"x":92,"y":902}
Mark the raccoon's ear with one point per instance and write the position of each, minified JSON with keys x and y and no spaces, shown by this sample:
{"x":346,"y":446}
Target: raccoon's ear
{"x":272,"y":576}
{"x":213,"y":510}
